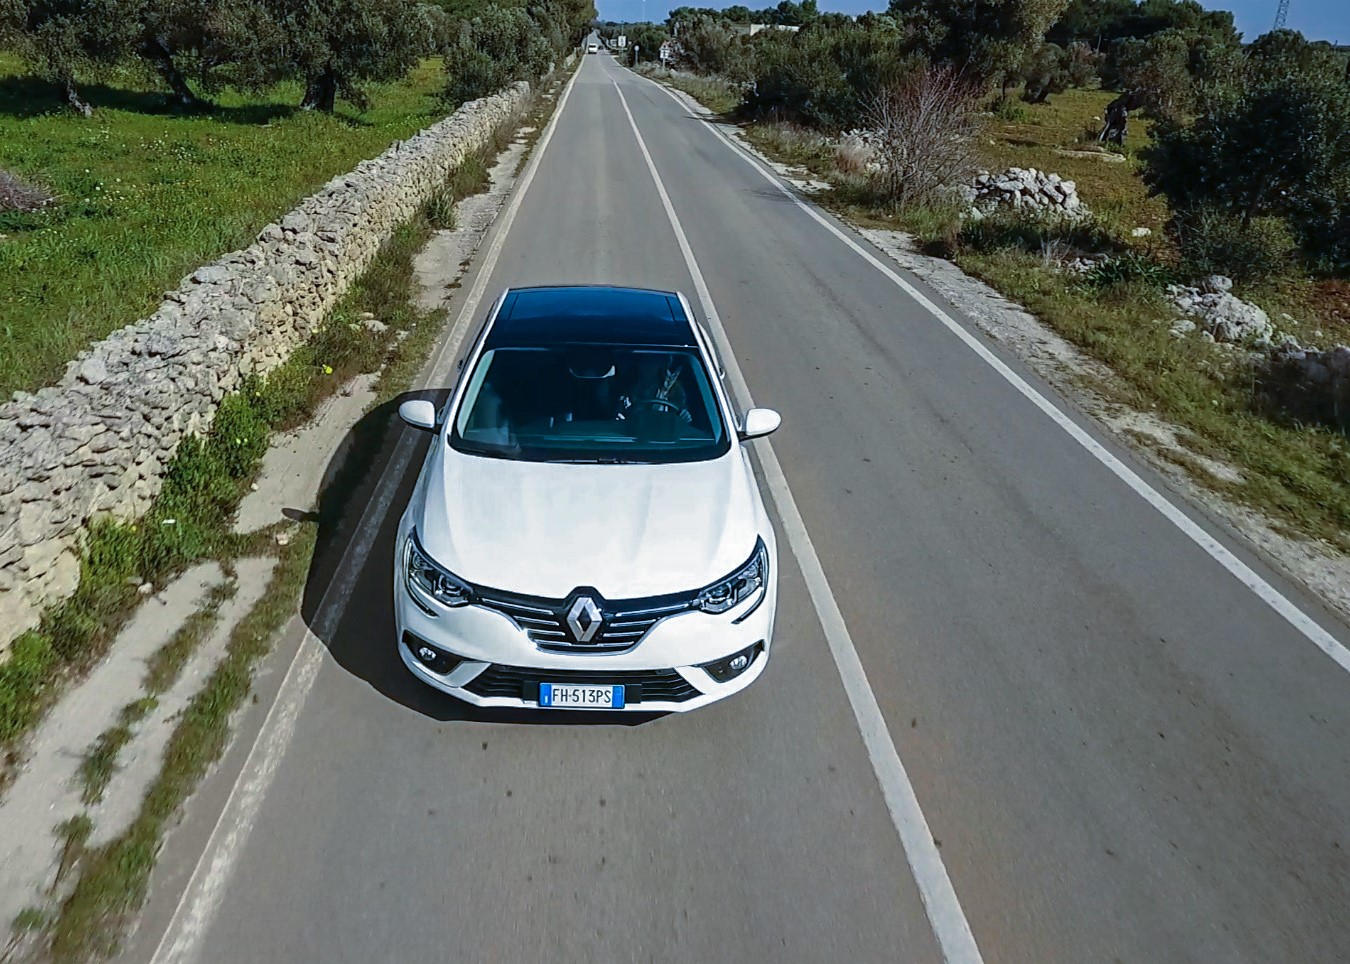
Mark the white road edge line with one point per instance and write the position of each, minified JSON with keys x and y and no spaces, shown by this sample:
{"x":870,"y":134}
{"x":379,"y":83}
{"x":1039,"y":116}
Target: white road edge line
{"x":945,"y":915}
{"x":197,"y":905}
{"x":1267,"y":593}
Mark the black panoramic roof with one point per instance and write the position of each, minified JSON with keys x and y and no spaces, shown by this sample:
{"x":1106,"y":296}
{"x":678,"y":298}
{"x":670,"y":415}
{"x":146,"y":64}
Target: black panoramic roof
{"x":590,"y":315}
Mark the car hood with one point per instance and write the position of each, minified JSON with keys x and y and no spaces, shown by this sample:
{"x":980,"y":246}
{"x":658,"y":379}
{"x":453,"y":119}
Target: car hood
{"x":625,"y":531}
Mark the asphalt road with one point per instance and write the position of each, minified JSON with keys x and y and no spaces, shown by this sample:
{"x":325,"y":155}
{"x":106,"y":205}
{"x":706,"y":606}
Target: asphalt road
{"x":1123,"y":753}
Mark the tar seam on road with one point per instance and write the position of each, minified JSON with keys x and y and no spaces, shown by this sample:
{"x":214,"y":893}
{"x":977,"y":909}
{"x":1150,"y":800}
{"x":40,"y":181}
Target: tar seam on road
{"x":945,"y":916}
{"x":1267,"y":593}
{"x":207,"y":884}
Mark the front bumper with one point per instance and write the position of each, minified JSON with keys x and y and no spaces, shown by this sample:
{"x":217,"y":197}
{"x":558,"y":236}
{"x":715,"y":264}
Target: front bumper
{"x":663,"y":671}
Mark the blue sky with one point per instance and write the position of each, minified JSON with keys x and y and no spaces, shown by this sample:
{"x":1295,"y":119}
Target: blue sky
{"x":1317,"y":19}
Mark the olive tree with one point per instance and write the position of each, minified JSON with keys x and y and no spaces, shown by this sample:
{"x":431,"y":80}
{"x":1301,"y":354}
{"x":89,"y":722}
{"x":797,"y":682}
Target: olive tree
{"x":340,"y":46}
{"x":985,"y":40}
{"x":1277,"y":146}
{"x":1052,"y":69}
{"x":62,"y":40}
{"x":234,"y":42}
{"x":497,"y":47}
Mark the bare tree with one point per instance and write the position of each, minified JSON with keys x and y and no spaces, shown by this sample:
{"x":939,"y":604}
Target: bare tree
{"x":926,"y":128}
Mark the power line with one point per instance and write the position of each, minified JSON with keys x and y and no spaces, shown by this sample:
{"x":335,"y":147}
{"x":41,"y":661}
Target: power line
{"x":1281,"y":15}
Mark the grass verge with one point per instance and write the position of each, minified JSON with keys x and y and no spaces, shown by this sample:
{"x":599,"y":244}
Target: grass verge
{"x":100,"y":762}
{"x":713,"y":93}
{"x":145,"y":195}
{"x":111,"y":880}
{"x":1298,"y":475}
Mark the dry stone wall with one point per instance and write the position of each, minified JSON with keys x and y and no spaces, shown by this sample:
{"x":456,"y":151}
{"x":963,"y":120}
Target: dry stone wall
{"x":98,"y":443}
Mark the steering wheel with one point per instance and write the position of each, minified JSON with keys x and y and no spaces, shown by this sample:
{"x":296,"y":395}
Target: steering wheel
{"x":663,"y":405}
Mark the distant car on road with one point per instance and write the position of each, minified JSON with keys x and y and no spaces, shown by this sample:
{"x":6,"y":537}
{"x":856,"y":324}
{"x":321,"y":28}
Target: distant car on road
{"x":586,"y":531}
{"x":592,"y":48}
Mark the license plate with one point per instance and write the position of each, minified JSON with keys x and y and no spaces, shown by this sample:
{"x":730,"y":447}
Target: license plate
{"x":566,"y":696}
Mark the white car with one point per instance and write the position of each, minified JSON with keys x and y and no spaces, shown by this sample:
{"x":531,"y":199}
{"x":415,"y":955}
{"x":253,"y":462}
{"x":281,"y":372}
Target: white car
{"x":586,"y":531}
{"x":592,"y":48}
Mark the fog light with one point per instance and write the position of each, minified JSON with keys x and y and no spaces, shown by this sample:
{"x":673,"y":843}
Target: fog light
{"x":437,"y":660}
{"x":728,"y":668}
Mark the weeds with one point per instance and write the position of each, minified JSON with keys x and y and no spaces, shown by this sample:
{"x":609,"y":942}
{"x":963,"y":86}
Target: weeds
{"x":714,"y":93}
{"x":1131,"y":267}
{"x":441,"y":210}
{"x":100,"y":763}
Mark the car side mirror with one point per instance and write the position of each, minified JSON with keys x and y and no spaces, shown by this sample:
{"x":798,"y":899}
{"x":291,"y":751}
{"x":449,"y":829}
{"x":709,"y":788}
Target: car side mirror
{"x":419,"y":413}
{"x":760,"y":422}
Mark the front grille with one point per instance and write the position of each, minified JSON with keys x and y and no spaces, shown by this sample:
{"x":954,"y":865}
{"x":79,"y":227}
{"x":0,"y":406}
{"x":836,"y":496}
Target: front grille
{"x":646,"y":685}
{"x":623,"y":622}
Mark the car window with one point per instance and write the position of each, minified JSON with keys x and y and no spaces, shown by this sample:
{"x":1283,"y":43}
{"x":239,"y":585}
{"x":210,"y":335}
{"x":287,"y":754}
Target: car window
{"x":588,"y":403}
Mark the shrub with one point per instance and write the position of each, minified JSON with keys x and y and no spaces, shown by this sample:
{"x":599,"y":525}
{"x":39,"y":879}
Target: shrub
{"x":1214,"y":241}
{"x":824,"y":77}
{"x":1279,"y":147}
{"x":647,"y":40}
{"x":925,"y":128}
{"x":709,"y":47}
{"x":1008,"y":110}
{"x":1131,"y":267}
{"x":1051,"y":69}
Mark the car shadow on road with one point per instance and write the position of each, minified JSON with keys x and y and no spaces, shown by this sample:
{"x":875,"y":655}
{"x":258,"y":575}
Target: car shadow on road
{"x":362,"y":641}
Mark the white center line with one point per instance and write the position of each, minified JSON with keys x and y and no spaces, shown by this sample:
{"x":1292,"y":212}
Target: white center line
{"x":1244,"y":573}
{"x":945,"y":915}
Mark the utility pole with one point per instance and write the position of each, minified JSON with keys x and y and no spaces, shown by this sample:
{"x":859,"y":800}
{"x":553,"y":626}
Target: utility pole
{"x":1281,"y":15}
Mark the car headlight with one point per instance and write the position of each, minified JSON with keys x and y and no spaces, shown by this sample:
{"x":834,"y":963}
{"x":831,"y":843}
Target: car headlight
{"x":740,"y":585}
{"x":428,"y":581}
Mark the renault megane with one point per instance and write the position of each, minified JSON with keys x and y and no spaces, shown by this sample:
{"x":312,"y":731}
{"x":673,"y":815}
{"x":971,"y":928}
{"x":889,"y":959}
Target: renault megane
{"x":586,"y":531}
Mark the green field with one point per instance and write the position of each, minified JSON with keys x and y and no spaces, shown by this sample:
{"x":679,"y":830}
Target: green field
{"x":146,"y":195}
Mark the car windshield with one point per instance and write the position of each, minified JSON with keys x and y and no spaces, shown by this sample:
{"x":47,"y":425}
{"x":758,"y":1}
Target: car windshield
{"x":590,"y":404}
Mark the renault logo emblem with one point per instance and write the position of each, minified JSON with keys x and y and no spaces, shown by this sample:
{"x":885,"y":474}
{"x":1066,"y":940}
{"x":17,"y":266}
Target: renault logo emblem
{"x":584,"y":619}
